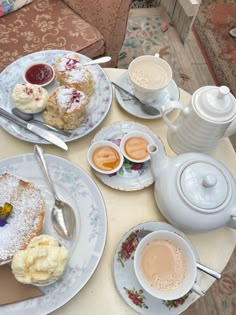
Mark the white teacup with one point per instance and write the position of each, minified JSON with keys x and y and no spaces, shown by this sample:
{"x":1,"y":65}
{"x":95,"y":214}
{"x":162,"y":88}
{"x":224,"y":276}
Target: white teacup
{"x":149,"y":75}
{"x":165,"y":265}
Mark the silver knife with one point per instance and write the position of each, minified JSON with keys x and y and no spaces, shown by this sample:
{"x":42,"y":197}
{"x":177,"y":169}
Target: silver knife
{"x":35,"y":129}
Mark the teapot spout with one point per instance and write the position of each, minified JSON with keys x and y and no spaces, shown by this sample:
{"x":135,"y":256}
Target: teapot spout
{"x":159,"y":160}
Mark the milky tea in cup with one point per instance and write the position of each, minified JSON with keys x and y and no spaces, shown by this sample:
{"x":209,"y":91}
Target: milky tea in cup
{"x":165,"y":265}
{"x":149,"y":75}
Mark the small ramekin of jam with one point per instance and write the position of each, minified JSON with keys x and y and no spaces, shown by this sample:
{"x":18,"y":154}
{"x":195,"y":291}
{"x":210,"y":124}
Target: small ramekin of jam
{"x":105,"y":157}
{"x":134,"y":146}
{"x":40,"y":73}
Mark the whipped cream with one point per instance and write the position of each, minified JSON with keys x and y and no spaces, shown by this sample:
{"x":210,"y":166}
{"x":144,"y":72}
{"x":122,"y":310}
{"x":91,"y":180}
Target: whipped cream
{"x":42,"y":262}
{"x":29,"y":98}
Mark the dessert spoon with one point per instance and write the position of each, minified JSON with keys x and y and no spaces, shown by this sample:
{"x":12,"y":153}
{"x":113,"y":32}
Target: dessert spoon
{"x":201,"y":267}
{"x":30,"y":119}
{"x":62,"y":214}
{"x":97,"y":61}
{"x":149,"y":109}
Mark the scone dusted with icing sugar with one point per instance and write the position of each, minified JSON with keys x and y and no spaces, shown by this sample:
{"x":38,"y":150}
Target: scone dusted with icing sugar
{"x":21,"y":214}
{"x":66,"y":107}
{"x":69,"y":71}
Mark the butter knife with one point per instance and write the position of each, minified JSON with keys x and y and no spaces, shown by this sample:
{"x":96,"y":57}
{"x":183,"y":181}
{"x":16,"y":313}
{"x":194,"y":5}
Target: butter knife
{"x":35,"y":129}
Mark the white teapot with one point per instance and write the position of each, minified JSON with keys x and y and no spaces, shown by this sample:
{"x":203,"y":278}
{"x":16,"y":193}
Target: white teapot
{"x":193,"y":191}
{"x":209,"y":116}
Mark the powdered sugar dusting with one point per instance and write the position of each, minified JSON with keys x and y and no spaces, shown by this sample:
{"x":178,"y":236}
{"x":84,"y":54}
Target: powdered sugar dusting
{"x":72,"y":69}
{"x":25,"y":217}
{"x":70,"y":99}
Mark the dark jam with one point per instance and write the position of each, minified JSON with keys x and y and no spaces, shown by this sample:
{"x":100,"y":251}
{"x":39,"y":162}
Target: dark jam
{"x":39,"y":74}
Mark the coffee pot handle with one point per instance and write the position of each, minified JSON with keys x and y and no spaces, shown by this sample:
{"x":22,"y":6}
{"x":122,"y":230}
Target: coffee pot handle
{"x":166,"y":108}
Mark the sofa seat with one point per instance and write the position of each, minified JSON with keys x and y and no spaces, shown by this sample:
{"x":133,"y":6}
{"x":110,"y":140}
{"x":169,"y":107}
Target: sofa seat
{"x":39,"y":26}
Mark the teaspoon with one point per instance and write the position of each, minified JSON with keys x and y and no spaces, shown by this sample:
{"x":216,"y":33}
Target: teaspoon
{"x":149,"y":109}
{"x":62,"y":214}
{"x":201,"y":267}
{"x":97,"y":61}
{"x":30,"y":119}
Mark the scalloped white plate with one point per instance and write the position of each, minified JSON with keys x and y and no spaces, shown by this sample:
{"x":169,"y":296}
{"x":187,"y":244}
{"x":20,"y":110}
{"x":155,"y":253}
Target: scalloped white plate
{"x":98,"y":108}
{"x":131,"y":176}
{"x":127,"y":284}
{"x":86,"y":248}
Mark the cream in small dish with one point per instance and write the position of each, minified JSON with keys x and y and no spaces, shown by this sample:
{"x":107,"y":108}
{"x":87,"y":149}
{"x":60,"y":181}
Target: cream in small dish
{"x":40,"y":73}
{"x":134,"y":146}
{"x":105,"y":157}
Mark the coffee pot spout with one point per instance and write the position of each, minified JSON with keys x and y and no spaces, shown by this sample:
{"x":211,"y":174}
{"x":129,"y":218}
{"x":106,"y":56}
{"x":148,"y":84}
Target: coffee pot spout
{"x":159,"y":160}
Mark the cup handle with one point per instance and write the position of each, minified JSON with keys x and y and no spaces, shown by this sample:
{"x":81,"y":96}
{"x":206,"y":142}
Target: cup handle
{"x":166,"y":108}
{"x":198,"y":290}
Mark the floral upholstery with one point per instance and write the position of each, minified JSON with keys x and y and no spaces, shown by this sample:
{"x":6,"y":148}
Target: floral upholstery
{"x":55,"y":24}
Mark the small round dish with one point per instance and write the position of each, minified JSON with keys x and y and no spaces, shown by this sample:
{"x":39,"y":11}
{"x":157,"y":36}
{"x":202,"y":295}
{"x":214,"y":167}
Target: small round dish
{"x":105,"y":157}
{"x":39,"y":73}
{"x":134,"y":146}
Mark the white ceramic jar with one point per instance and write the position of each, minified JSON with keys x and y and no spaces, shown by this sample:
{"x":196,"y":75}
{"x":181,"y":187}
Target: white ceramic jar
{"x":203,"y":122}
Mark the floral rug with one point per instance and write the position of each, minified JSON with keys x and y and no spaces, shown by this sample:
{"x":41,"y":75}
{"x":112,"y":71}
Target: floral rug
{"x":211,"y":28}
{"x":147,"y":35}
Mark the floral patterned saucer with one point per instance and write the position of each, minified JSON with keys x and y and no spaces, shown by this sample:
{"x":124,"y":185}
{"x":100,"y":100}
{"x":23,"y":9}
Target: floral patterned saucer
{"x":132,"y":176}
{"x":127,"y":284}
{"x":131,"y":106}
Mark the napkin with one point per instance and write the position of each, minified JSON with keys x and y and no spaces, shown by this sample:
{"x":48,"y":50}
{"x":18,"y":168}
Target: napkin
{"x":12,"y":291}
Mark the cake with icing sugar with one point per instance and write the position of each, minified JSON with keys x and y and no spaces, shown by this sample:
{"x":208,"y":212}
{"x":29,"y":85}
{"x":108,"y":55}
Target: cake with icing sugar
{"x":66,"y":107}
{"x":69,"y":71}
{"x":26,"y":218}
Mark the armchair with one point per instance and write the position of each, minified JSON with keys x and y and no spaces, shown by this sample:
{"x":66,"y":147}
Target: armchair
{"x":91,"y":27}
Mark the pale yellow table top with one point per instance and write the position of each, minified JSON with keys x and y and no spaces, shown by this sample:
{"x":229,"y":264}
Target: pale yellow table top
{"x":125,"y":210}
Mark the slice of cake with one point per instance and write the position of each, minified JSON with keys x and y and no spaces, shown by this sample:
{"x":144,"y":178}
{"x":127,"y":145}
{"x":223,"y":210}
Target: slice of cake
{"x":21,"y":214}
{"x":69,"y":71}
{"x":66,"y":107}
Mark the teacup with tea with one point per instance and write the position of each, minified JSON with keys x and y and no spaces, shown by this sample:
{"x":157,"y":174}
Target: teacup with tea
{"x":165,"y":265}
{"x":149,"y":75}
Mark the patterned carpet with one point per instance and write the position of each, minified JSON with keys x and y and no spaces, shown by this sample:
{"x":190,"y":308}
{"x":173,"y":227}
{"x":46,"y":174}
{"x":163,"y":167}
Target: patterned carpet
{"x":145,"y":36}
{"x":211,"y":27}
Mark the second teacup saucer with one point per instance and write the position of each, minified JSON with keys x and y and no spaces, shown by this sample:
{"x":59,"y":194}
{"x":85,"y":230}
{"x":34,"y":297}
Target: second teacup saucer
{"x":133,"y":107}
{"x":127,"y":284}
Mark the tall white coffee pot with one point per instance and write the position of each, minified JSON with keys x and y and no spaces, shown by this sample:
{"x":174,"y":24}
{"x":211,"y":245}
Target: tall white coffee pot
{"x":209,"y":116}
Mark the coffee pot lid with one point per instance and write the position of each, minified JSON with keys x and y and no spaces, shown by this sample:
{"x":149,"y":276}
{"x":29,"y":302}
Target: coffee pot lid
{"x":204,"y":185}
{"x":215,"y":103}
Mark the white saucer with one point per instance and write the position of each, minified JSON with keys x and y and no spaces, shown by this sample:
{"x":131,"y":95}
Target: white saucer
{"x":131,"y":176}
{"x":131,"y":106}
{"x":127,"y":284}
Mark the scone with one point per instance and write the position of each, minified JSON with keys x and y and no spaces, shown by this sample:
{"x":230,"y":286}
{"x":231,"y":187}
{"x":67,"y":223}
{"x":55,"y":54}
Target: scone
{"x":65,"y":108}
{"x":21,"y":214}
{"x":69,"y":71}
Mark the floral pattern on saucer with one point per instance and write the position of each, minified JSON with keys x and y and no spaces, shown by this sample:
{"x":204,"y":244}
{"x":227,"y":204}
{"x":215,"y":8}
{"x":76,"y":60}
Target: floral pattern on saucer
{"x":133,"y":107}
{"x":132,"y":176}
{"x":127,"y":284}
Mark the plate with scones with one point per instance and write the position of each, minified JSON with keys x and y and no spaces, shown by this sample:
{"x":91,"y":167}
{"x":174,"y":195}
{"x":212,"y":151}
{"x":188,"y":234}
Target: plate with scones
{"x":36,"y":254}
{"x":77,"y":97}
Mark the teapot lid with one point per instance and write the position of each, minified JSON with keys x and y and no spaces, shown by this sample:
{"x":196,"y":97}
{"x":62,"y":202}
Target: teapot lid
{"x":204,"y":185}
{"x":215,"y":103}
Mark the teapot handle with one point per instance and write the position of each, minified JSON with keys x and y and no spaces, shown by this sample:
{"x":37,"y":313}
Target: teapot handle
{"x":165,"y":109}
{"x":232,"y":221}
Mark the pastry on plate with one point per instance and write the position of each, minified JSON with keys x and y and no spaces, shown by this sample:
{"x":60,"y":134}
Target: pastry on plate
{"x":65,"y":108}
{"x":21,"y":214}
{"x":69,"y":71}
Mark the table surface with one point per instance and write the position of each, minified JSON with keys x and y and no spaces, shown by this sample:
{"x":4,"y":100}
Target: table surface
{"x":126,"y":209}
